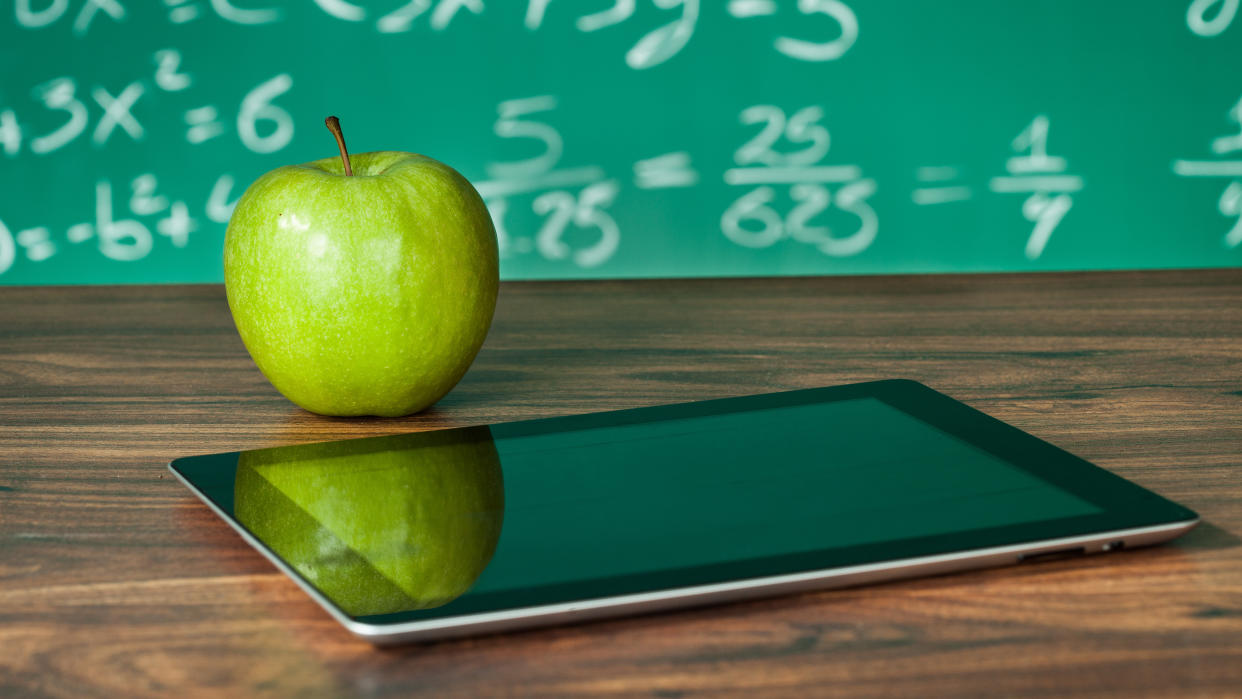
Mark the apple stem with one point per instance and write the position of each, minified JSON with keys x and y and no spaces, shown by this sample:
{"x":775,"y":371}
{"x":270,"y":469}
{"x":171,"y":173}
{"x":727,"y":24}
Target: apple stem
{"x":334,"y":125}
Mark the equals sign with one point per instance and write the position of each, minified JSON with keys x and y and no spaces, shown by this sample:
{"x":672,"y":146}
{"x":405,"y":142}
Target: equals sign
{"x":665,"y":172}
{"x":943,"y":191}
{"x":179,"y":12}
{"x":751,"y":8}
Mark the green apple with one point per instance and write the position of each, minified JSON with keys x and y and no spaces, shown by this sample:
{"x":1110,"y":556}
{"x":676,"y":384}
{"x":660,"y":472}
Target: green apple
{"x":379,"y":525}
{"x":363,"y":285}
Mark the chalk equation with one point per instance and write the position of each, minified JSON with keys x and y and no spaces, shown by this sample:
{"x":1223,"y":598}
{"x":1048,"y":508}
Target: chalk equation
{"x":1029,"y":170}
{"x":99,"y":115}
{"x":656,"y":46}
{"x":125,"y":224}
{"x":107,"y":113}
{"x":761,"y":135}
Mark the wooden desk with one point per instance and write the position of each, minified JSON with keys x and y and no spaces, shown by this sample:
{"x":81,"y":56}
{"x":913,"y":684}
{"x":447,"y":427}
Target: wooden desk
{"x":115,"y":581}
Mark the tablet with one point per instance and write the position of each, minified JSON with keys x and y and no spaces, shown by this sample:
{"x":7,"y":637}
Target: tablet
{"x":482,"y":529}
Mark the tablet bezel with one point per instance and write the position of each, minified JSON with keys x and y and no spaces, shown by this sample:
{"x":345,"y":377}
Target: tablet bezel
{"x":1124,"y":506}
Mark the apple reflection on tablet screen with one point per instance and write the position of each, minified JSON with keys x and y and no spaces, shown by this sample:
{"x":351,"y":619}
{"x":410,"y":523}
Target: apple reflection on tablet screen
{"x":379,"y":525}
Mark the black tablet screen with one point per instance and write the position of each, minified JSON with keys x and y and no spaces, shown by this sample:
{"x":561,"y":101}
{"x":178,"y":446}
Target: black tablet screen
{"x":478,"y":519}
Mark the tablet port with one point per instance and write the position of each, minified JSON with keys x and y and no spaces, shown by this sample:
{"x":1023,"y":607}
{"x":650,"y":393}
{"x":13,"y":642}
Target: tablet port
{"x":1052,"y":555}
{"x":1114,"y":545}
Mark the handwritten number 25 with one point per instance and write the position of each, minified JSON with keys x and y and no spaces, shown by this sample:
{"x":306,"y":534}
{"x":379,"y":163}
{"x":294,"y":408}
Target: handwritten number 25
{"x":586,"y":211}
{"x":803,"y":127}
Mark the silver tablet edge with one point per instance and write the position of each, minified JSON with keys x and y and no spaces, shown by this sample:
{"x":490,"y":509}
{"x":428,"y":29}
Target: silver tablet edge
{"x":702,"y":595}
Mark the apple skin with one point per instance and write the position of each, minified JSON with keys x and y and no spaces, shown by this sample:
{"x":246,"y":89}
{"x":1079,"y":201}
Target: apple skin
{"x":379,"y":525}
{"x":368,"y":294}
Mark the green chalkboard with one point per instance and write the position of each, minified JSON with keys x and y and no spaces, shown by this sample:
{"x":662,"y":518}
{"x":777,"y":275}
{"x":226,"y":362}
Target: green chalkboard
{"x":632,"y":138}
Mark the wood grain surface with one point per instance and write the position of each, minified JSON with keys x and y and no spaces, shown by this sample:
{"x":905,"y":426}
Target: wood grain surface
{"x":115,"y":581}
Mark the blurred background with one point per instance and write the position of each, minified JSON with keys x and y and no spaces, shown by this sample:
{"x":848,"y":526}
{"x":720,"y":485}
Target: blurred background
{"x":639,"y":138}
